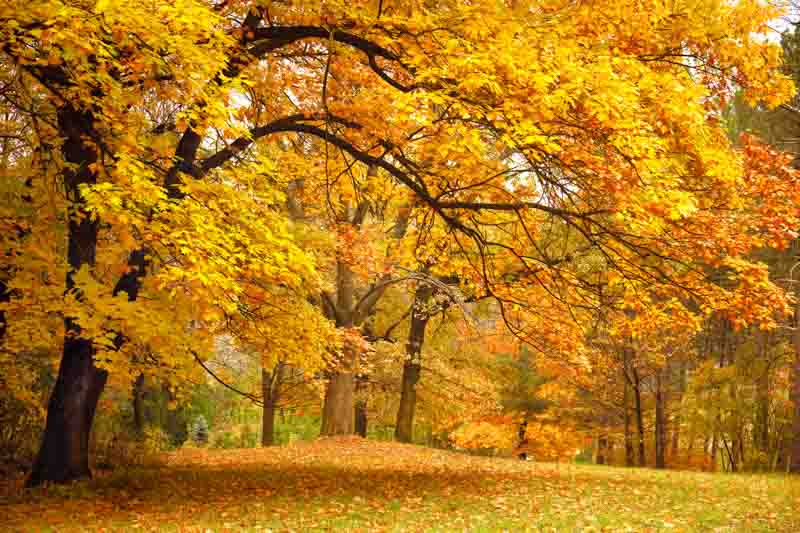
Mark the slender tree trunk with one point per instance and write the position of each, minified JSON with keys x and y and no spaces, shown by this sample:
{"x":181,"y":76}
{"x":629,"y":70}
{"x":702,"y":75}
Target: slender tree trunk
{"x":637,"y":397}
{"x":5,"y":297}
{"x":268,"y":411}
{"x":761,"y":436}
{"x":626,"y":406}
{"x":138,"y":405}
{"x":676,"y":423}
{"x":794,"y":443}
{"x":404,"y":429}
{"x":660,"y":430}
{"x":629,"y":459}
{"x":602,"y":449}
{"x":714,"y":447}
{"x":64,"y":452}
{"x":521,"y":437}
{"x":175,"y":423}
{"x":361,"y":418}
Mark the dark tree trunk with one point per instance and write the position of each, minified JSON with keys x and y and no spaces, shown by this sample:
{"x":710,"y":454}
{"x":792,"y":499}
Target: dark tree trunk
{"x":175,"y":417}
{"x":361,"y":418}
{"x":404,"y":429}
{"x":64,"y":452}
{"x":5,"y":296}
{"x":602,"y":450}
{"x":626,"y":406}
{"x":660,"y":429}
{"x":637,"y":397}
{"x":522,"y":440}
{"x":629,"y":455}
{"x":138,"y":405}
{"x":268,"y":412}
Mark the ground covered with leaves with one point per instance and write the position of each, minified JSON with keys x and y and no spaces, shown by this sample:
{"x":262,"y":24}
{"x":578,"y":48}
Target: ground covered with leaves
{"x":361,"y":485}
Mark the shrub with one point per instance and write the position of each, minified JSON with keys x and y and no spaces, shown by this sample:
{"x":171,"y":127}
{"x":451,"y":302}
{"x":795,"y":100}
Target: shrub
{"x":199,"y":430}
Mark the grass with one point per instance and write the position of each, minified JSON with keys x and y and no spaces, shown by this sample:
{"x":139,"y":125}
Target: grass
{"x":353,"y":484}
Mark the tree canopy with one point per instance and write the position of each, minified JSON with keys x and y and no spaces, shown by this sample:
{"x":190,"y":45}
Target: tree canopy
{"x":269,"y":172}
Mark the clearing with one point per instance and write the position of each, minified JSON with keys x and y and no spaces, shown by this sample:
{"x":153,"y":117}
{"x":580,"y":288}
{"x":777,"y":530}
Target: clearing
{"x":355,"y":484}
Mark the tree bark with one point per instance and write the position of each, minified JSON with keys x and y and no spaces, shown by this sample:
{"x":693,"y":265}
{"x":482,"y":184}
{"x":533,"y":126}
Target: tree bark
{"x":64,"y":452}
{"x":794,"y":446}
{"x":660,"y":430}
{"x":404,"y":428}
{"x":637,"y":396}
{"x":338,"y":412}
{"x":522,"y":440}
{"x":626,"y":401}
{"x":361,"y":418}
{"x":602,"y":449}
{"x":268,"y":411}
{"x":175,"y":418}
{"x":5,"y":297}
{"x":338,"y":415}
{"x":271,"y":392}
{"x":629,"y":455}
{"x":676,"y":423}
{"x":138,"y":405}
{"x":714,"y":447}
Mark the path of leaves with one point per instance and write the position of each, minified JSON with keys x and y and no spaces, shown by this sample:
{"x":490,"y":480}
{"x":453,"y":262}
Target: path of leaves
{"x":360,"y":485}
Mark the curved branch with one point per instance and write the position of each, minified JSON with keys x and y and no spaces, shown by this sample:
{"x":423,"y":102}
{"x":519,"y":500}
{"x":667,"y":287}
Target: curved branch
{"x":255,"y":399}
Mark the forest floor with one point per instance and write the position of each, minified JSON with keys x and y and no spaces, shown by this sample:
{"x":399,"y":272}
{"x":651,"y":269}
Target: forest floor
{"x":353,"y":484}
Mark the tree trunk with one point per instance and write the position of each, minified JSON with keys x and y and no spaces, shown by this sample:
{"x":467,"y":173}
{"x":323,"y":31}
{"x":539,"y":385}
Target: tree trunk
{"x":64,"y":452}
{"x":794,"y":443}
{"x":637,"y":396}
{"x":338,"y":415}
{"x":271,"y":391}
{"x":629,"y":459}
{"x":361,"y":418}
{"x":660,"y":430}
{"x":602,"y":449}
{"x":268,"y":411}
{"x":5,"y":297}
{"x":714,"y":447}
{"x":676,"y":424}
{"x":404,"y":429}
{"x":138,"y":405}
{"x":175,"y":423}
{"x":626,"y":406}
{"x":521,"y":437}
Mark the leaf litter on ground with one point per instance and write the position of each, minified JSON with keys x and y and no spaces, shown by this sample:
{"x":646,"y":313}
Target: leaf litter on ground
{"x":360,"y":485}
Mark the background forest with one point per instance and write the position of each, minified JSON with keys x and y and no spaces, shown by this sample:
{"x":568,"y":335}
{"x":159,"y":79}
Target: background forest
{"x":546,"y":229}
